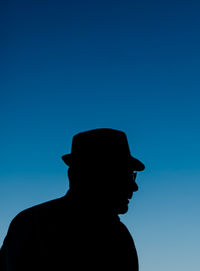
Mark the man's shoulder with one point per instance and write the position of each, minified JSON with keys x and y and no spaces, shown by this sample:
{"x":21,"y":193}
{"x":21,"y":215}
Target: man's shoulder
{"x":42,"y":210}
{"x":31,"y":221}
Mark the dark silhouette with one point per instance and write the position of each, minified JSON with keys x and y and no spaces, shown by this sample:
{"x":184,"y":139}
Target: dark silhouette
{"x":81,"y":229}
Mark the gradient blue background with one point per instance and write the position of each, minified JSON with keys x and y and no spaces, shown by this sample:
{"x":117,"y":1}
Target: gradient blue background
{"x":69,"y":66}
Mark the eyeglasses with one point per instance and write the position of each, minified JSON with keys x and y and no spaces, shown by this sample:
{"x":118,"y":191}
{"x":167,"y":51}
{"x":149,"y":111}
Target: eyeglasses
{"x":134,"y":175}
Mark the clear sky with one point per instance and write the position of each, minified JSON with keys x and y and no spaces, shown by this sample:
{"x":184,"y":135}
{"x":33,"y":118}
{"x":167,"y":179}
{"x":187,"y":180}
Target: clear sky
{"x":70,"y":66}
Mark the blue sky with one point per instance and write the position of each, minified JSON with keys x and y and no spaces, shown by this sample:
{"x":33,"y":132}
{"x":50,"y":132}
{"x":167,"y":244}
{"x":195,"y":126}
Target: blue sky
{"x":69,"y":66}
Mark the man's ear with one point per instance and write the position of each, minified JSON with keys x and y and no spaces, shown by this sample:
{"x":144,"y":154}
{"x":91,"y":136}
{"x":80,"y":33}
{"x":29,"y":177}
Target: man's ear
{"x":69,"y":173}
{"x":73,"y":177}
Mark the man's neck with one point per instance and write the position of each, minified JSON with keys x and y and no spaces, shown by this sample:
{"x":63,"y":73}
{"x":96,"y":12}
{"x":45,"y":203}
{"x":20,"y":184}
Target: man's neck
{"x":89,"y":207}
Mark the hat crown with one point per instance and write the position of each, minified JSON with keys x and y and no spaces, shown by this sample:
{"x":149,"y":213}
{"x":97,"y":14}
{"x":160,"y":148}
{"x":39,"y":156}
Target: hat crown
{"x":93,"y":140}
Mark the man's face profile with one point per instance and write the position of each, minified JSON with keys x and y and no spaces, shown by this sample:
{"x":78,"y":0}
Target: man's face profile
{"x":104,"y":189}
{"x":123,"y":186}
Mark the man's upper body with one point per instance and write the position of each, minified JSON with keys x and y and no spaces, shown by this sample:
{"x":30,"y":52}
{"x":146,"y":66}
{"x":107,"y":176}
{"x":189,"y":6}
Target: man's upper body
{"x":81,"y":229}
{"x":56,"y":234}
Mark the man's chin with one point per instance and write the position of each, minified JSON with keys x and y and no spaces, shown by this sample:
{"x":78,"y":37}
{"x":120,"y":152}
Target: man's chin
{"x":122,"y":209}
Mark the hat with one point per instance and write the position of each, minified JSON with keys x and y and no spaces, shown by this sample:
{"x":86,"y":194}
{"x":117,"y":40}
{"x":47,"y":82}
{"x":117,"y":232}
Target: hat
{"x":101,"y":148}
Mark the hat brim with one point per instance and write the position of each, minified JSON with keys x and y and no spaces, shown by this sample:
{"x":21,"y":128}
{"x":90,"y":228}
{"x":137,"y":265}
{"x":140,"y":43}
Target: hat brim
{"x":67,"y":159}
{"x":136,"y":164}
{"x":133,"y":163}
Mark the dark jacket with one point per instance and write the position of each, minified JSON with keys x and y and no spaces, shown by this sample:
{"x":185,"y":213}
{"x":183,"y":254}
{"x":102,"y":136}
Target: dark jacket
{"x":56,"y":235}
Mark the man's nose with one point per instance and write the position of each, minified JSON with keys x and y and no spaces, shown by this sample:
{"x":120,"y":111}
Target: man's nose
{"x":135,"y":187}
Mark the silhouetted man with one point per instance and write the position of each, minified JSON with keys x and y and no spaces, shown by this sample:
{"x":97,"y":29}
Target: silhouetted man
{"x":81,"y":229}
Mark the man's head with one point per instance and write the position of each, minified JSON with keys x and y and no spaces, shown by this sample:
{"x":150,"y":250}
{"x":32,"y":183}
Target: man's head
{"x":101,"y":169}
